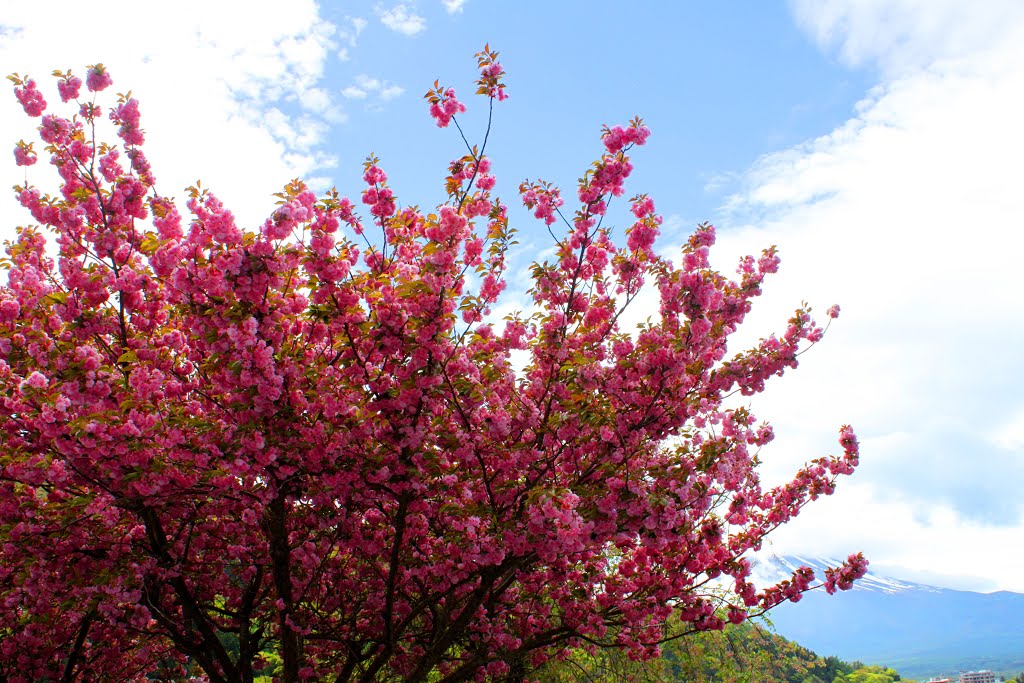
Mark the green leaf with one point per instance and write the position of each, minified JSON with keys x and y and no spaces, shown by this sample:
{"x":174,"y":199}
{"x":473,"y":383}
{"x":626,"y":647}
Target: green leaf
{"x":149,"y":244}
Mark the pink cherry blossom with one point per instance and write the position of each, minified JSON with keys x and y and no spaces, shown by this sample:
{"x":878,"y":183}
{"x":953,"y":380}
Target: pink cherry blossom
{"x":445,"y":107}
{"x":69,"y":88}
{"x":24,"y":155}
{"x":35,"y":381}
{"x":30,"y":98}
{"x":311,"y":437}
{"x":97,"y":78}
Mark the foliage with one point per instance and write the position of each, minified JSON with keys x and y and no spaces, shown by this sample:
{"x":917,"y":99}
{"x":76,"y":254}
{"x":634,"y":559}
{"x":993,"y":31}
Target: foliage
{"x":230,"y":453}
{"x":740,"y":653}
{"x":869,"y":674}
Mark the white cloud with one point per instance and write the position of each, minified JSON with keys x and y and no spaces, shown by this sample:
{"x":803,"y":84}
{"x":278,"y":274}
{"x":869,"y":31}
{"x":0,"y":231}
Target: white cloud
{"x":211,"y":84}
{"x":367,"y":82}
{"x":391,"y":92}
{"x":453,"y":6}
{"x":402,"y":19}
{"x":348,"y":33}
{"x":715,"y":182}
{"x":1010,"y":435}
{"x":354,"y":93}
{"x":936,"y":548}
{"x":317,"y":100}
{"x":909,"y":216}
{"x":902,"y":34}
{"x":368,"y":87}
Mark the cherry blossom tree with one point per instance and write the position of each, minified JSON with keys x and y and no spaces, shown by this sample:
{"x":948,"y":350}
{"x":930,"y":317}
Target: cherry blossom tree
{"x":309,"y":451}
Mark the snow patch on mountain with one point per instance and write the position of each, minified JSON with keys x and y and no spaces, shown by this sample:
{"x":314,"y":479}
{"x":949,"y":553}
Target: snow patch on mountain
{"x":771,"y":569}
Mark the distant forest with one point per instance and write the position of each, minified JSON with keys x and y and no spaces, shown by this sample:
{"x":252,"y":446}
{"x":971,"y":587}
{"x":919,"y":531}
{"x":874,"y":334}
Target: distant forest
{"x":744,"y":653}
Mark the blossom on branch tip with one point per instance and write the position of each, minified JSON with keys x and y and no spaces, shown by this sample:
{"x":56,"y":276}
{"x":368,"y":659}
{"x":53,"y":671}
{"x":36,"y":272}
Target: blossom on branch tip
{"x":69,"y":88}
{"x":444,"y":106}
{"x":97,"y":78}
{"x":24,"y":155}
{"x":30,"y":98}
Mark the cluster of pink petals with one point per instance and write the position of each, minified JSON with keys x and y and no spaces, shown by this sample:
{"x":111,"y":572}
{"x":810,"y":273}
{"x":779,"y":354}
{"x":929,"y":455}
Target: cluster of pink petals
{"x":447,"y":106}
{"x":379,"y":197}
{"x":618,"y":138}
{"x":842,"y":577}
{"x":24,"y":155}
{"x":30,"y":98}
{"x":98,"y":78}
{"x":126,"y":115}
{"x":69,"y":87}
{"x":490,"y":78}
{"x":543,"y":200}
{"x":55,"y":130}
{"x":490,"y":83}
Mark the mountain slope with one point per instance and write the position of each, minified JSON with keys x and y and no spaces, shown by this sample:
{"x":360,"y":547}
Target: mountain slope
{"x":742,"y":653}
{"x":920,"y":630}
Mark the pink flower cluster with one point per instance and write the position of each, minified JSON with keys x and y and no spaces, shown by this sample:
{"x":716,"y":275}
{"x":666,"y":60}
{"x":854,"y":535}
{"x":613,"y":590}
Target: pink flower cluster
{"x":30,"y":98}
{"x":543,"y":199}
{"x":126,"y":115}
{"x":619,"y":138}
{"x":491,"y":71}
{"x":842,"y":577}
{"x":378,"y":196}
{"x":69,"y":87}
{"x":97,"y":78}
{"x":490,"y":74}
{"x":791,"y":589}
{"x":445,"y":107}
{"x":24,"y":155}
{"x":643,"y":233}
{"x":55,"y":130}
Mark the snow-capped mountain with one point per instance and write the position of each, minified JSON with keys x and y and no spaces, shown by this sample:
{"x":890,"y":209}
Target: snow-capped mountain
{"x":920,"y":630}
{"x":772,"y":569}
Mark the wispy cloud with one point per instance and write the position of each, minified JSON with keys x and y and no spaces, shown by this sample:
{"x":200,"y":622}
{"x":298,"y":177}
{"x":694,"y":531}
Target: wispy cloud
{"x":904,"y":34}
{"x":402,"y":19}
{"x":366,"y":87}
{"x":348,"y":33}
{"x":210,"y":93}
{"x":1010,"y":435}
{"x":354,"y":92}
{"x":717,"y":182}
{"x":453,"y":6}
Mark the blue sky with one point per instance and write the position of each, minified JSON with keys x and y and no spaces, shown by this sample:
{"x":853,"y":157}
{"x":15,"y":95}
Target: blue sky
{"x":717,"y":91}
{"x":877,"y":142}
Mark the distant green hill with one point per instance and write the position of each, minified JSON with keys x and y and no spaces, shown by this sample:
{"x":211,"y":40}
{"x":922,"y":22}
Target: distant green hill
{"x":745,"y":653}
